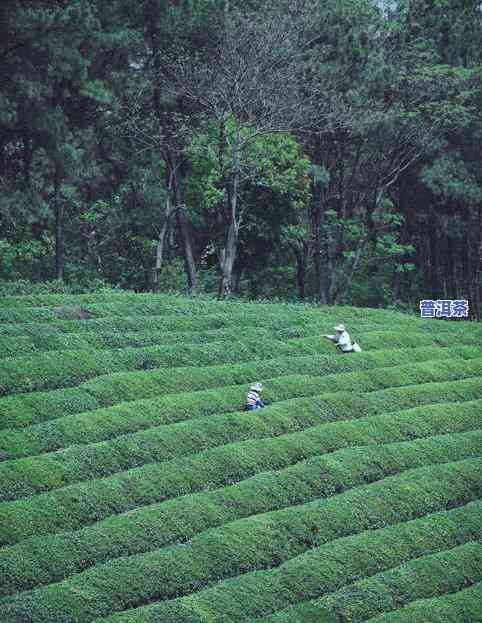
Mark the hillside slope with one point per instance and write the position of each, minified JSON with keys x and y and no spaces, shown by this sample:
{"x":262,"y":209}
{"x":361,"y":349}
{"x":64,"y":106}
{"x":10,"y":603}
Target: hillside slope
{"x":134,"y":488}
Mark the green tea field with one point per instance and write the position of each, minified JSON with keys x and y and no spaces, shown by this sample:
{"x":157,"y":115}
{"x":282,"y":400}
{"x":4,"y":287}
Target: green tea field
{"x":135,"y":488}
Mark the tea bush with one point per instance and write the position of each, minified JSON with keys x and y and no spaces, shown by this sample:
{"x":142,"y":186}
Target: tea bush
{"x":134,"y":488}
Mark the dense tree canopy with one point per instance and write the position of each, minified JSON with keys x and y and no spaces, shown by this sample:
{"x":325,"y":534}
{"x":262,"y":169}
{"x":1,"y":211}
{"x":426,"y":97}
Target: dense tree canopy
{"x":316,"y":150}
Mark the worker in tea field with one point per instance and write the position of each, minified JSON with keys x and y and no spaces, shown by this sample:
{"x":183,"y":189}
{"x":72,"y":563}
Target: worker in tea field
{"x":343,"y":340}
{"x":253,"y":399}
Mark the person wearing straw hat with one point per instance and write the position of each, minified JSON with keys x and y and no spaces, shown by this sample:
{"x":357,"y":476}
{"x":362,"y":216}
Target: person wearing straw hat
{"x":343,"y":340}
{"x":253,"y":399}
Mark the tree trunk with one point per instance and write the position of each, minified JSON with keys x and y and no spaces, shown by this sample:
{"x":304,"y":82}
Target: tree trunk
{"x":404,"y":238}
{"x":451,"y":276}
{"x":301,"y":260}
{"x":237,"y":279}
{"x":27,"y":158}
{"x":228,"y":256}
{"x":160,"y":246}
{"x":153,"y":17}
{"x":185,"y":232}
{"x":189,"y":262}
{"x":318,"y":259}
{"x":59,"y":226}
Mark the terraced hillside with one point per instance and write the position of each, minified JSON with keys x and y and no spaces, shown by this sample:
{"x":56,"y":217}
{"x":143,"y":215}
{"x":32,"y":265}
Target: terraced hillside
{"x":135,"y":489}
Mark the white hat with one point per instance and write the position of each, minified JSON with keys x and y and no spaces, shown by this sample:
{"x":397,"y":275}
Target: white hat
{"x":257,"y":387}
{"x":340,"y":327}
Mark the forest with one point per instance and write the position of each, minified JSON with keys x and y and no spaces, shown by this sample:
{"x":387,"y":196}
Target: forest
{"x":326,"y":151}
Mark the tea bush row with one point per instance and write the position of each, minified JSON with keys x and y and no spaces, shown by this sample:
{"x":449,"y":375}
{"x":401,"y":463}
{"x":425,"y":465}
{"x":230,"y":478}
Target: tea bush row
{"x":130,"y":417}
{"x":50,"y":558}
{"x":448,"y":571}
{"x":49,"y":341}
{"x":26,"y":409}
{"x":51,"y":470}
{"x":322,"y":570}
{"x":82,"y":503}
{"x":220,"y":316}
{"x":257,"y":542}
{"x":53,"y":370}
{"x":465,"y":605}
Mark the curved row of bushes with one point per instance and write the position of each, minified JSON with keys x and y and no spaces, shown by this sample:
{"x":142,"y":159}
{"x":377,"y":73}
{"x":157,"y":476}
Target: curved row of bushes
{"x":83,"y":503}
{"x":118,"y":303}
{"x":70,"y":308}
{"x":103,"y":424}
{"x":46,"y":342}
{"x":220,"y":315}
{"x":180,"y":302}
{"x":158,"y":323}
{"x":51,"y":470}
{"x":221,"y":318}
{"x":115,"y":303}
{"x":444,"y":572}
{"x":464,"y":605}
{"x":47,"y":309}
{"x":322,"y":570}
{"x":44,"y":337}
{"x":52,"y":557}
{"x":257,"y":542}
{"x":53,"y":299}
{"x":27,"y":409}
{"x":53,"y":370}
{"x":120,"y":387}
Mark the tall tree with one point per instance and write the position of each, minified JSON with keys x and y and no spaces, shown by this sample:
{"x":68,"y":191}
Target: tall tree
{"x":247,"y":85}
{"x":46,"y":52}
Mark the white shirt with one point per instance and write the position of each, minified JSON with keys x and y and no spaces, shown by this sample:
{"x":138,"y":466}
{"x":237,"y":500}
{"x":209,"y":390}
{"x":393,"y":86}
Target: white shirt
{"x":343,"y":340}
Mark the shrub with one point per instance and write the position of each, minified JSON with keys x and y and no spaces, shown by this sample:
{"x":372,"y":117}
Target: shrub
{"x":10,"y":347}
{"x":126,"y":418}
{"x":314,"y":573}
{"x":464,"y":605}
{"x":27,"y":476}
{"x":52,"y":370}
{"x":51,"y":341}
{"x":79,"y":504}
{"x":258,"y":542}
{"x":132,"y":487}
{"x":104,"y":317}
{"x":446,"y":571}
{"x":23,"y":410}
{"x":50,"y":558}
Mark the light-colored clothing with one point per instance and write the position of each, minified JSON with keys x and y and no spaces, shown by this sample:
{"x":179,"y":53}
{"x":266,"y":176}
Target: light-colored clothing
{"x":253,"y":400}
{"x":343,"y":340}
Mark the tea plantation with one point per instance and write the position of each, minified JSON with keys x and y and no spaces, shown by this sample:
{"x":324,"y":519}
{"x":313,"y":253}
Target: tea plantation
{"x":134,"y":488}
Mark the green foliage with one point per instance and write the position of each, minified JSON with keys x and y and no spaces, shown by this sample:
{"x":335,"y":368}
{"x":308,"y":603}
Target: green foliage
{"x":173,"y":520}
{"x":110,"y":390}
{"x":385,"y":154}
{"x":322,"y":570}
{"x":445,"y":609}
{"x":87,"y":501}
{"x":393,"y":588}
{"x":66,"y":368}
{"x":249,"y":544}
{"x":24,"y":289}
{"x":136,"y":494}
{"x":274,"y":168}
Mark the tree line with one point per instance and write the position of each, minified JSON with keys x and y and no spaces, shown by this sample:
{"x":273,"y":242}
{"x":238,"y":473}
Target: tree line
{"x":298,"y":149}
